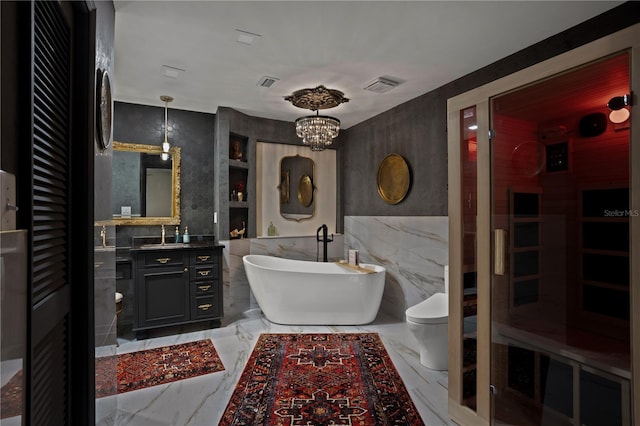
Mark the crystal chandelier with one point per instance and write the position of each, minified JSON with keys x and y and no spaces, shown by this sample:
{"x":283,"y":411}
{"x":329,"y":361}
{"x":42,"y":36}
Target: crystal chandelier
{"x":165,"y":145}
{"x":317,"y":131}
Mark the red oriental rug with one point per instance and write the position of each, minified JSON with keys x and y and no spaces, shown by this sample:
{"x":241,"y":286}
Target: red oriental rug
{"x":151,"y":367}
{"x":11,"y":397}
{"x":320,"y":379}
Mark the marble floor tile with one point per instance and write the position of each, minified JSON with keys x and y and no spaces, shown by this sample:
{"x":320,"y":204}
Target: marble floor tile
{"x":201,"y":401}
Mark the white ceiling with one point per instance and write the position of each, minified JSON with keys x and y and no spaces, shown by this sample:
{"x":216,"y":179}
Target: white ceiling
{"x":340,"y":44}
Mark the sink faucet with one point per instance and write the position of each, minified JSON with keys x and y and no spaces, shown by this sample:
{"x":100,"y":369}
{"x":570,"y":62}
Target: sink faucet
{"x":162,"y":233}
{"x":103,"y":235}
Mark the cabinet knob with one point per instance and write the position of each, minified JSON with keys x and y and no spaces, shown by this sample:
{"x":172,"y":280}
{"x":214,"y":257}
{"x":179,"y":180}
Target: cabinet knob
{"x":205,"y":306}
{"x":203,"y":258}
{"x":203,"y":273}
{"x":185,"y":269}
{"x":163,"y":259}
{"x":204,"y":287}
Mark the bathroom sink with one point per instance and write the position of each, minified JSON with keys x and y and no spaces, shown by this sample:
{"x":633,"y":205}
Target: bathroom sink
{"x":160,"y":246}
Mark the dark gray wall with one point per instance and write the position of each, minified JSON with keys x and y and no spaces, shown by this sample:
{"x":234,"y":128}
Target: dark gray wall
{"x":417,"y":129}
{"x":193,"y":132}
{"x":104,"y":61}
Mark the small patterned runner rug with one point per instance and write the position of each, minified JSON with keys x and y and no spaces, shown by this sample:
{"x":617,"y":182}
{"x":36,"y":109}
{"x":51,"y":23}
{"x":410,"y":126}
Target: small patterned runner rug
{"x":320,"y":379}
{"x":151,"y":367}
{"x":11,"y":397}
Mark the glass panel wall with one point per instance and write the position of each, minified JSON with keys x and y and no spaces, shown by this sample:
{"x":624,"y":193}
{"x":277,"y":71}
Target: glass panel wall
{"x":560,"y":214}
{"x":469,"y":151}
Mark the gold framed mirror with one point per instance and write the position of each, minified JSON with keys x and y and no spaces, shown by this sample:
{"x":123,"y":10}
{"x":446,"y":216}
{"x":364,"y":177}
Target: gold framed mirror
{"x":296,"y":188}
{"x":145,"y":187}
{"x":305,"y":191}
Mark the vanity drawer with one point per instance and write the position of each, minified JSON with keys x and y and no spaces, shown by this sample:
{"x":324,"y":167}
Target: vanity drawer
{"x":202,"y":257}
{"x":204,"y":307}
{"x":204,"y":288}
{"x":204,"y":272}
{"x":162,"y":258}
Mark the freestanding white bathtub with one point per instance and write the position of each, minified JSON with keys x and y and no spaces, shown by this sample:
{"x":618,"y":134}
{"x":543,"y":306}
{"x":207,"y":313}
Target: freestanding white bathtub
{"x":302,"y":292}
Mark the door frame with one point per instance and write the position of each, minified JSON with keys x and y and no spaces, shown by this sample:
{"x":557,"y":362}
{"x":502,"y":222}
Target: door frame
{"x":627,"y":39}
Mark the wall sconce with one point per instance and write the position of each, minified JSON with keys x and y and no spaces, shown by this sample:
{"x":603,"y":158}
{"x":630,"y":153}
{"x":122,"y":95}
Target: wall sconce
{"x":617,"y":104}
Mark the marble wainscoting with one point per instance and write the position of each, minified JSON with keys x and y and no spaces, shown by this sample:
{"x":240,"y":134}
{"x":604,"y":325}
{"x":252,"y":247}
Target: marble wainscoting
{"x":414,"y":249}
{"x":298,"y":248}
{"x":237,"y":297}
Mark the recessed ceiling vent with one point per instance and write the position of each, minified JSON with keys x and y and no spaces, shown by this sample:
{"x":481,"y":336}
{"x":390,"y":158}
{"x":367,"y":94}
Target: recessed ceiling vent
{"x":245,"y":37}
{"x":267,"y":81}
{"x":382,"y":84}
{"x":172,"y":72}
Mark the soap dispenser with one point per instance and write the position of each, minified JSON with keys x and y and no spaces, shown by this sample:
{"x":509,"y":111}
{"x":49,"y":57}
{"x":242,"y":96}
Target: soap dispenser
{"x":271,"y":230}
{"x":186,"y":238}
{"x":177,"y":235}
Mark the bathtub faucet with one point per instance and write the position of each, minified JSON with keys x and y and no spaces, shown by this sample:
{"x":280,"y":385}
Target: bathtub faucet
{"x":325,"y":240}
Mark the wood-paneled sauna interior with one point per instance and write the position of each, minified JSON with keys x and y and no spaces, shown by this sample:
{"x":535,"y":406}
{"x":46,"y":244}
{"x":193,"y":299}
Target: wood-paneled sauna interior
{"x":560,"y":310}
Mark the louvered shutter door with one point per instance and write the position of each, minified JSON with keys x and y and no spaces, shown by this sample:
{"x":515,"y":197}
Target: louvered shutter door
{"x":50,"y":215}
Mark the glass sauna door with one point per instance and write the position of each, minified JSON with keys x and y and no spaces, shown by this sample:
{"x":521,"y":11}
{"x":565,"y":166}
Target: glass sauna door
{"x":560,"y":287}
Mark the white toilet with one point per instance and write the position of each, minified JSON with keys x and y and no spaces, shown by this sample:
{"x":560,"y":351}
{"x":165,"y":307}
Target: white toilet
{"x":428,"y":321}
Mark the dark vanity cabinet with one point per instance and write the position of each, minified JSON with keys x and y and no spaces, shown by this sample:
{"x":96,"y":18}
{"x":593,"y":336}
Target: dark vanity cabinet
{"x":177,"y":285}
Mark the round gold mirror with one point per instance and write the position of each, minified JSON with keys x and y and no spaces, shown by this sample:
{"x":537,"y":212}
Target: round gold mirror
{"x":305,"y":191}
{"x":393,"y":179}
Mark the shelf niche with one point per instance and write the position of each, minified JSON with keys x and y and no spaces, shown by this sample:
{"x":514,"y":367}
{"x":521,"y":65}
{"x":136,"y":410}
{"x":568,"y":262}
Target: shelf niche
{"x":238,"y":184}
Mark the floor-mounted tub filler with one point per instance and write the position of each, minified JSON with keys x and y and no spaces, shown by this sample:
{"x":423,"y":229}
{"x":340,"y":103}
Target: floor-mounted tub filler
{"x":303,"y":292}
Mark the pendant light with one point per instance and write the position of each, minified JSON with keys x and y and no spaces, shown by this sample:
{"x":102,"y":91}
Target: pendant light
{"x":165,"y":145}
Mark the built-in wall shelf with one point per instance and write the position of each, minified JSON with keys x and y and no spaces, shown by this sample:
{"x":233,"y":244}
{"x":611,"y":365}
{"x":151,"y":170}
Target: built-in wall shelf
{"x":235,"y":164}
{"x":238,"y":164}
{"x":239,"y":168}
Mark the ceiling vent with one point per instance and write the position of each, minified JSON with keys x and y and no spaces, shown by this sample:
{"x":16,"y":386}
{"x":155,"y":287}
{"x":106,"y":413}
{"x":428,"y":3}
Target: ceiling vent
{"x":172,"y":72}
{"x":267,"y":81}
{"x":381,"y":85}
{"x":245,"y":37}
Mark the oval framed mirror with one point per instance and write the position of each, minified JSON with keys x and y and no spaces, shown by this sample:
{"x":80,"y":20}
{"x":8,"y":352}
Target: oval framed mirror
{"x":104,"y":110}
{"x":145,"y":188}
{"x":305,"y":191}
{"x":296,"y":188}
